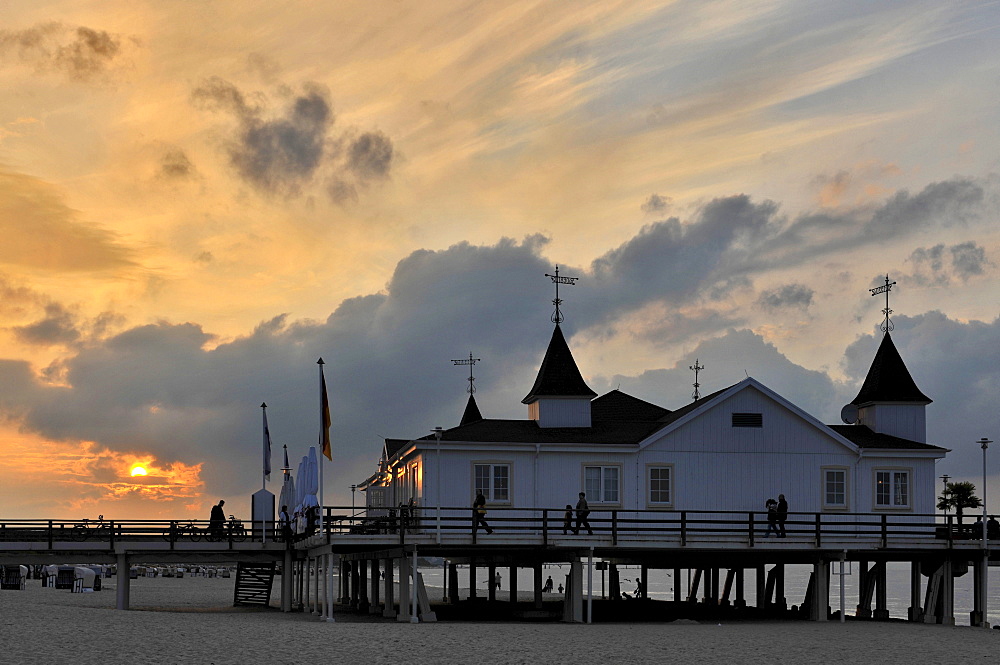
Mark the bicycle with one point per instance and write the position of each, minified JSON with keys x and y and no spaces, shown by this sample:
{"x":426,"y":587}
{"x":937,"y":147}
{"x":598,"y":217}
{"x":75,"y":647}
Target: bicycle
{"x":178,"y":531}
{"x":233,"y":529}
{"x":101,"y":530}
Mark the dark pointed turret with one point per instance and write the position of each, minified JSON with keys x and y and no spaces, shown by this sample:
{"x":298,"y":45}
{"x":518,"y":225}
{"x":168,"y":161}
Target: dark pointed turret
{"x":560,"y":397}
{"x":889,"y":401}
{"x":888,"y":379}
{"x":472,"y":413}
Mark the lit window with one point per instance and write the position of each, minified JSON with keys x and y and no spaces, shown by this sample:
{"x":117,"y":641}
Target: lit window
{"x":892,"y":489}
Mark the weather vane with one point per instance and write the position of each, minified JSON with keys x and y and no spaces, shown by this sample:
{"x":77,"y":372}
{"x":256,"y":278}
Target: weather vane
{"x":557,"y":316}
{"x":696,"y":368}
{"x":470,"y":362}
{"x":885,"y":288}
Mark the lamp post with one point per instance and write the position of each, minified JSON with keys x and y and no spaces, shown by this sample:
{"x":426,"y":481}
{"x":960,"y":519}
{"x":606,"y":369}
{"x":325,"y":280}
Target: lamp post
{"x":944,"y":491}
{"x":353,"y":489}
{"x":438,"y":432}
{"x":984,"y":443}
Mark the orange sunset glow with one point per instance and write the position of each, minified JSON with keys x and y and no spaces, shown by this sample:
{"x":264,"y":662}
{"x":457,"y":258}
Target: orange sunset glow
{"x":201,"y":199}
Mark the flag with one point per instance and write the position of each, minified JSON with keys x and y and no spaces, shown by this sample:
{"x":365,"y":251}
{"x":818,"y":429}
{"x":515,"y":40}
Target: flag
{"x":325,"y":415}
{"x":267,"y":445}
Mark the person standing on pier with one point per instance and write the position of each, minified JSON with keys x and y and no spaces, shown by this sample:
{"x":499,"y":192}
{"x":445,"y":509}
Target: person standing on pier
{"x":782,"y":515}
{"x":478,"y":510}
{"x":217,"y":519}
{"x":286,"y":524}
{"x":772,"y":517}
{"x":568,"y":519}
{"x":582,"y":513}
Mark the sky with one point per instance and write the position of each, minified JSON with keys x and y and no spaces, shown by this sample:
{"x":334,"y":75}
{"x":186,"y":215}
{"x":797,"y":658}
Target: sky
{"x":200,"y":200}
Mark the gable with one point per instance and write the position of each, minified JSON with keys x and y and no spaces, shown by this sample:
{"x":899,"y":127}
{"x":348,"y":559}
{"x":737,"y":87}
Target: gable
{"x":749,"y":418}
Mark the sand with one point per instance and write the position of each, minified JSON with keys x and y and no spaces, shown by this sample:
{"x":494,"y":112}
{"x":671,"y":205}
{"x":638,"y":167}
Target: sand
{"x":191,"y":620}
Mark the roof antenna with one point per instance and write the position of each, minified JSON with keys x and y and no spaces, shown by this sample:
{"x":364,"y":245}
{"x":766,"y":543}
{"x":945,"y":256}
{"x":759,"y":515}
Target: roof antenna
{"x":696,"y":368}
{"x":557,"y":316}
{"x":745,"y":372}
{"x":885,"y":288}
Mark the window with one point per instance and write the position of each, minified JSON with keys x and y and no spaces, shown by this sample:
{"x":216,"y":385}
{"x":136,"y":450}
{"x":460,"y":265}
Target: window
{"x":892,"y":489}
{"x":493,"y":480}
{"x":601,"y":483}
{"x":835,"y":488}
{"x":660,"y":490}
{"x":748,"y":420}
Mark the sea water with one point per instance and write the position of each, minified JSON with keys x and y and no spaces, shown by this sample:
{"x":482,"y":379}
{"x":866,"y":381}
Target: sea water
{"x":660,"y":585}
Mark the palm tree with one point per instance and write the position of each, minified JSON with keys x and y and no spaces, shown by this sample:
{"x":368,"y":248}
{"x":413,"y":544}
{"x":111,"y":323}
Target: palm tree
{"x":959,"y":496}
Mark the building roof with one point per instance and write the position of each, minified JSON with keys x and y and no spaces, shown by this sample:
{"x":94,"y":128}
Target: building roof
{"x":472,"y":413}
{"x":392,"y":446}
{"x":617,"y":405}
{"x":863,"y":437}
{"x":558,"y":375}
{"x":888,"y":379}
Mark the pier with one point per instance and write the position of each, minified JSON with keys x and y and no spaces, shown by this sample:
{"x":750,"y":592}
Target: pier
{"x":725,"y":551}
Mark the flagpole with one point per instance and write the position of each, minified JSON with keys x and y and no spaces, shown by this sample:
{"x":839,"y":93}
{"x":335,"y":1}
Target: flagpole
{"x":324,"y":437}
{"x":264,"y":446}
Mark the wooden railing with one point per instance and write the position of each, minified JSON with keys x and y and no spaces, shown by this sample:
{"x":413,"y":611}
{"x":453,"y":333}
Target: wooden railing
{"x":682,"y":526}
{"x":547,"y":524}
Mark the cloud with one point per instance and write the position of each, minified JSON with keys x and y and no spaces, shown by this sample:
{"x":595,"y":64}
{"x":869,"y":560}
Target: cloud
{"x":57,"y":327}
{"x":81,"y":53}
{"x":175,"y":165}
{"x":789,"y":295}
{"x":656,"y":204}
{"x":278,"y":155}
{"x":940,"y":264}
{"x":370,"y":156}
{"x":40,"y":231}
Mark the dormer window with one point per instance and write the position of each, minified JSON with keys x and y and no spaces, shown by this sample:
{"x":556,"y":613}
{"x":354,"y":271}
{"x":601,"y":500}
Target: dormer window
{"x":748,"y":420}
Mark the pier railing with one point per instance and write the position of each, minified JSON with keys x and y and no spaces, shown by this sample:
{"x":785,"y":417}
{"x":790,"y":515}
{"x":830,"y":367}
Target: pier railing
{"x":680,"y":526}
{"x":106,"y":533}
{"x":543,"y":525}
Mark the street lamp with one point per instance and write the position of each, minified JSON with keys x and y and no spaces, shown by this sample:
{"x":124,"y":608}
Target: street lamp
{"x":438,"y":433}
{"x":353,"y":489}
{"x":944,"y":492}
{"x":984,"y":443}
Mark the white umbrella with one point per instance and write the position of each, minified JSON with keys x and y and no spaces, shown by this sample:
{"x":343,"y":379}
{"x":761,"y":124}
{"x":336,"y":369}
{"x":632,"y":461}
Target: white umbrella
{"x":311,"y":481}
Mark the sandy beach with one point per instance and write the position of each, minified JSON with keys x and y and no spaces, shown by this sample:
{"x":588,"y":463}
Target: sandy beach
{"x":191,"y":620}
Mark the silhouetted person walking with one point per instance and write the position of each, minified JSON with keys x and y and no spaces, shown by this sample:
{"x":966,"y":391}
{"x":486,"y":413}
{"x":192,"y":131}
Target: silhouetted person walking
{"x":478,"y":512}
{"x":582,"y":513}
{"x":782,"y":515}
{"x":217,"y":519}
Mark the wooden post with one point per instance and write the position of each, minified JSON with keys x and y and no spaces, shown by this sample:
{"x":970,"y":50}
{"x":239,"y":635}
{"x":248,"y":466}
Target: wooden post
{"x":363,"y":605}
{"x":513,"y":584}
{"x":947,"y":593}
{"x":389,"y":588}
{"x":538,"y":586}
{"x":644,"y":580}
{"x":881,"y":607}
{"x":491,"y":583}
{"x":373,"y":607}
{"x":677,"y":585}
{"x":287,"y":581}
{"x":472,"y":579}
{"x":913,"y":613}
{"x":453,"y":583}
{"x":404,"y":589}
{"x":820,"y":600}
{"x":122,"y":590}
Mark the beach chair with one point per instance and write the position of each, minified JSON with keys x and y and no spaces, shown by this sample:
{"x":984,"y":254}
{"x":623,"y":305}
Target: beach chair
{"x":13,"y":578}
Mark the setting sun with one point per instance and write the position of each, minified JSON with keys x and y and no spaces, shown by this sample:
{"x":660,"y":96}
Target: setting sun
{"x":138,"y":471}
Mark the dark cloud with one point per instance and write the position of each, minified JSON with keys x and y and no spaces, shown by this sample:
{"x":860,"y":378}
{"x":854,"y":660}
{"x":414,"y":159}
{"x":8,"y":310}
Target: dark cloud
{"x":81,"y":53}
{"x":656,"y":204}
{"x":281,"y":155}
{"x":57,"y":327}
{"x":940,"y":264}
{"x":789,"y":295}
{"x":370,"y":156}
{"x":968,"y":259}
{"x":276,"y":155}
